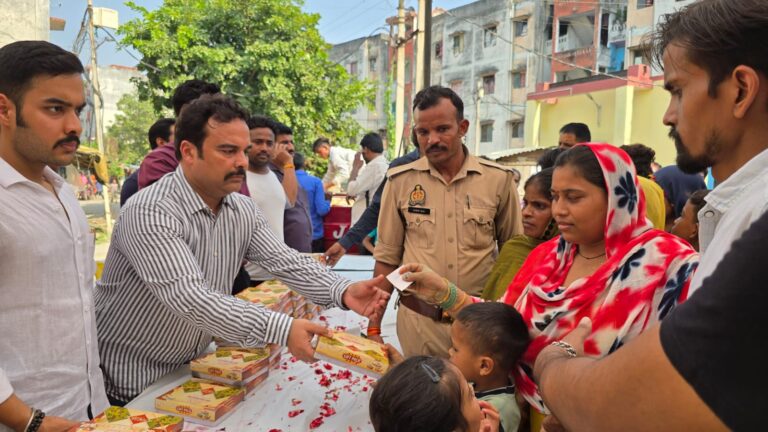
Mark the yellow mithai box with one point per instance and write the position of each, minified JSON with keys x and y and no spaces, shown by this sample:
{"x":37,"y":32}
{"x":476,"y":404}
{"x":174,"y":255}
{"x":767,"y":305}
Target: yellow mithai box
{"x":118,"y":419}
{"x":353,"y":352}
{"x":231,"y":365}
{"x":201,"y":401}
{"x":274,"y":295}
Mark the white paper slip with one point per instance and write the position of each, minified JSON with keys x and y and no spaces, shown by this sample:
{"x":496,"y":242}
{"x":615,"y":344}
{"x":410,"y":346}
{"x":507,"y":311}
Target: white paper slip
{"x":396,"y":279}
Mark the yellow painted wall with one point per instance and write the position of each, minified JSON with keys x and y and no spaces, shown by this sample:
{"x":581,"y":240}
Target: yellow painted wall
{"x":645,"y":108}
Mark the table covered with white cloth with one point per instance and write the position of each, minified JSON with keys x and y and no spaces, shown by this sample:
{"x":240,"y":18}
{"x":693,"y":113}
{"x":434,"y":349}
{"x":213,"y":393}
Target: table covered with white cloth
{"x":299,"y":396}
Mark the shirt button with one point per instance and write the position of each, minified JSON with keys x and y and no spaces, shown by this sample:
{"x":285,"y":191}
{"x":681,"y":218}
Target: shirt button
{"x":450,"y":239}
{"x":450,"y":215}
{"x":448,"y":189}
{"x":418,"y":219}
{"x":450,"y":266}
{"x":709,"y":213}
{"x":215,"y":254}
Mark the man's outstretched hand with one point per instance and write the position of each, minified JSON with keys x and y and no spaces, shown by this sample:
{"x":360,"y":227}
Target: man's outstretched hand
{"x":366,"y":298}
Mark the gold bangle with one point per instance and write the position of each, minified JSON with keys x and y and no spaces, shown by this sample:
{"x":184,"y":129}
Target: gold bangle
{"x":289,"y":165}
{"x":447,"y":293}
{"x":459,"y":304}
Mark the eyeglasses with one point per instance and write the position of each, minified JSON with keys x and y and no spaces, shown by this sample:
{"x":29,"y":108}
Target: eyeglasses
{"x":431,"y":373}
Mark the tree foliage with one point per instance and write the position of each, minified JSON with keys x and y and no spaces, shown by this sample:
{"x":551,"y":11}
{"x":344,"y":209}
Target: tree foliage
{"x":266,"y":53}
{"x":126,"y":139}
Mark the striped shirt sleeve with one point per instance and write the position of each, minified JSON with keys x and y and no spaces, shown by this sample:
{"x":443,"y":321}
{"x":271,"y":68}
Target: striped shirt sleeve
{"x":154,"y":244}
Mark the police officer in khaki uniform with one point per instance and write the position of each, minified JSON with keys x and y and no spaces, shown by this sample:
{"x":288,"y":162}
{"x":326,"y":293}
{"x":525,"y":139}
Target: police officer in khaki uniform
{"x":448,"y":210}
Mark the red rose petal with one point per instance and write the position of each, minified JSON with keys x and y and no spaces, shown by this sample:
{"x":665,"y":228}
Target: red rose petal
{"x":294,"y":413}
{"x":295,"y":402}
{"x":316,"y":423}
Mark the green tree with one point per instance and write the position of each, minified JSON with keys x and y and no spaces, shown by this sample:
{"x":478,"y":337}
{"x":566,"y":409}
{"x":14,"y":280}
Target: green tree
{"x":126,"y":139}
{"x":266,"y":53}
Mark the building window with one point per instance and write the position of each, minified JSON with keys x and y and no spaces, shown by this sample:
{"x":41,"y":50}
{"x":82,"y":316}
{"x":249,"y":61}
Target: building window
{"x":458,"y":43}
{"x":372,"y":65}
{"x":352,"y":68}
{"x":489,"y":84}
{"x":486,"y":132}
{"x":521,"y":27}
{"x":518,"y":79}
{"x":439,"y":49}
{"x":457,"y":86}
{"x":516,"y":129}
{"x":644,"y":3}
{"x":489,"y":36}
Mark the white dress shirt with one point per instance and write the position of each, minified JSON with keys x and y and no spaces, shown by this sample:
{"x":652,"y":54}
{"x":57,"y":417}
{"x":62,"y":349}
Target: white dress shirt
{"x":730,"y":209}
{"x":368,"y":180}
{"x":48,"y":345}
{"x":340,"y":161}
{"x":6,"y":389}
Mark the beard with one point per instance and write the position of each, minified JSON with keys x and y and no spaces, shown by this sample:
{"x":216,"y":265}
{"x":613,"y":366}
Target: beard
{"x":691,"y":164}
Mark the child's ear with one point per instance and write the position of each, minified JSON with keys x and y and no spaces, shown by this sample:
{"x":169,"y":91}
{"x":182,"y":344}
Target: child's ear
{"x":695,"y":233}
{"x":486,"y":365}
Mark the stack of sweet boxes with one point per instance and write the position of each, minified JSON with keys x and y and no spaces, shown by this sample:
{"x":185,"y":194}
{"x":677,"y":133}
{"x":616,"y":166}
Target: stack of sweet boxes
{"x":276,"y":296}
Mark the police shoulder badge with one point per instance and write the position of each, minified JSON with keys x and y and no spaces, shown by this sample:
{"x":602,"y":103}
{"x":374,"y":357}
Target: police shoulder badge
{"x":418,"y":196}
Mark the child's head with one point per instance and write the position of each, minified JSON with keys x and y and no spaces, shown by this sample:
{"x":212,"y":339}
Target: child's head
{"x":687,"y":225}
{"x":426,"y":394}
{"x":487,"y":339}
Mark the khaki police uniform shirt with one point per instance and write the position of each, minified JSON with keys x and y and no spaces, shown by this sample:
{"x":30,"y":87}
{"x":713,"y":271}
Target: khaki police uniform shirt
{"x":454,"y":227}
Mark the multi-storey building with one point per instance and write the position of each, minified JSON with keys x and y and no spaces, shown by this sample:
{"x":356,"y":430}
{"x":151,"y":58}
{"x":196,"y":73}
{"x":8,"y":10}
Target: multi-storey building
{"x":482,"y":51}
{"x":367,"y":58}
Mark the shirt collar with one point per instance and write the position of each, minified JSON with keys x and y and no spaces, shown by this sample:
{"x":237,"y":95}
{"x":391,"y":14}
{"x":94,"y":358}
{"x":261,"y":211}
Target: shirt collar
{"x":729,"y":192}
{"x":191,"y":201}
{"x":10,"y":176}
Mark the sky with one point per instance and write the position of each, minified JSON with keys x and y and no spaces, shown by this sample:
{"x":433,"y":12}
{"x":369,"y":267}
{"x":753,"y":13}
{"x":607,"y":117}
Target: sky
{"x":340,"y":21}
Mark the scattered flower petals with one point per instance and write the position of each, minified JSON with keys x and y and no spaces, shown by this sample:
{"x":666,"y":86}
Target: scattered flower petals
{"x":316,"y":423}
{"x":294,"y":413}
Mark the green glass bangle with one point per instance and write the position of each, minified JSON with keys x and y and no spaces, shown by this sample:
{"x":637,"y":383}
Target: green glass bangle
{"x":452,"y":296}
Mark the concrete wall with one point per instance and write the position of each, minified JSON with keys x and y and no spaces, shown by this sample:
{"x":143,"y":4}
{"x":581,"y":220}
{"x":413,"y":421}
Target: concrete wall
{"x":24,"y":20}
{"x":618,"y":114}
{"x":115,"y":81}
{"x":361,"y":51}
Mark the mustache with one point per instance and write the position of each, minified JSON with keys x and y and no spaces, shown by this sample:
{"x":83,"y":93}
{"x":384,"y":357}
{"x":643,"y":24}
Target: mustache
{"x":673,"y":133}
{"x":69,"y":139}
{"x":434,"y":147}
{"x":239,"y":172}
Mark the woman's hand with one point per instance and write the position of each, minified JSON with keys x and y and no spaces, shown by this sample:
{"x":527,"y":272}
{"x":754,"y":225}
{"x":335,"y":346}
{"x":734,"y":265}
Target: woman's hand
{"x":491,"y":420}
{"x":427,"y":285}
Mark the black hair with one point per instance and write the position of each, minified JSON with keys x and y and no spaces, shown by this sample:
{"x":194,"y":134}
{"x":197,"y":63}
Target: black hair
{"x":495,"y":330}
{"x":298,"y":160}
{"x":192,"y":125}
{"x":160,"y":129}
{"x":579,"y":130}
{"x":717,"y":35}
{"x":420,"y":394}
{"x":320,"y":142}
{"x":190,"y":90}
{"x":282,"y":129}
{"x":547,"y":160}
{"x":260,"y":121}
{"x":642,"y":156}
{"x":430,"y":96}
{"x":697,"y":201}
{"x":542,"y":181}
{"x":585,"y":162}
{"x":372,"y":141}
{"x":23,"y":61}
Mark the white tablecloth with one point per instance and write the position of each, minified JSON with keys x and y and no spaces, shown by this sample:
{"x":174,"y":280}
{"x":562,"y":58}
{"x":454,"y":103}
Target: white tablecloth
{"x":306,"y":391}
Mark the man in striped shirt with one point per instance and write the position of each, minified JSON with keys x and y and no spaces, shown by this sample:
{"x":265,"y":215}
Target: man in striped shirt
{"x":166,"y":287}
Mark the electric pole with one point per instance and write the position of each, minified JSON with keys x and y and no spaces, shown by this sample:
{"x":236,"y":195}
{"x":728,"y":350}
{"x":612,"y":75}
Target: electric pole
{"x":424,"y":43}
{"x":400,"y":79}
{"x":96,"y":94}
{"x":478,"y":98}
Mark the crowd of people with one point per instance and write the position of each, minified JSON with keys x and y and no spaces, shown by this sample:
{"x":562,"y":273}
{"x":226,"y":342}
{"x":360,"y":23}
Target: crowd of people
{"x":615,"y":295}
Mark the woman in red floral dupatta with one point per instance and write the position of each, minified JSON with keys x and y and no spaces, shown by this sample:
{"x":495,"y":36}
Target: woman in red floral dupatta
{"x":609,"y":264}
